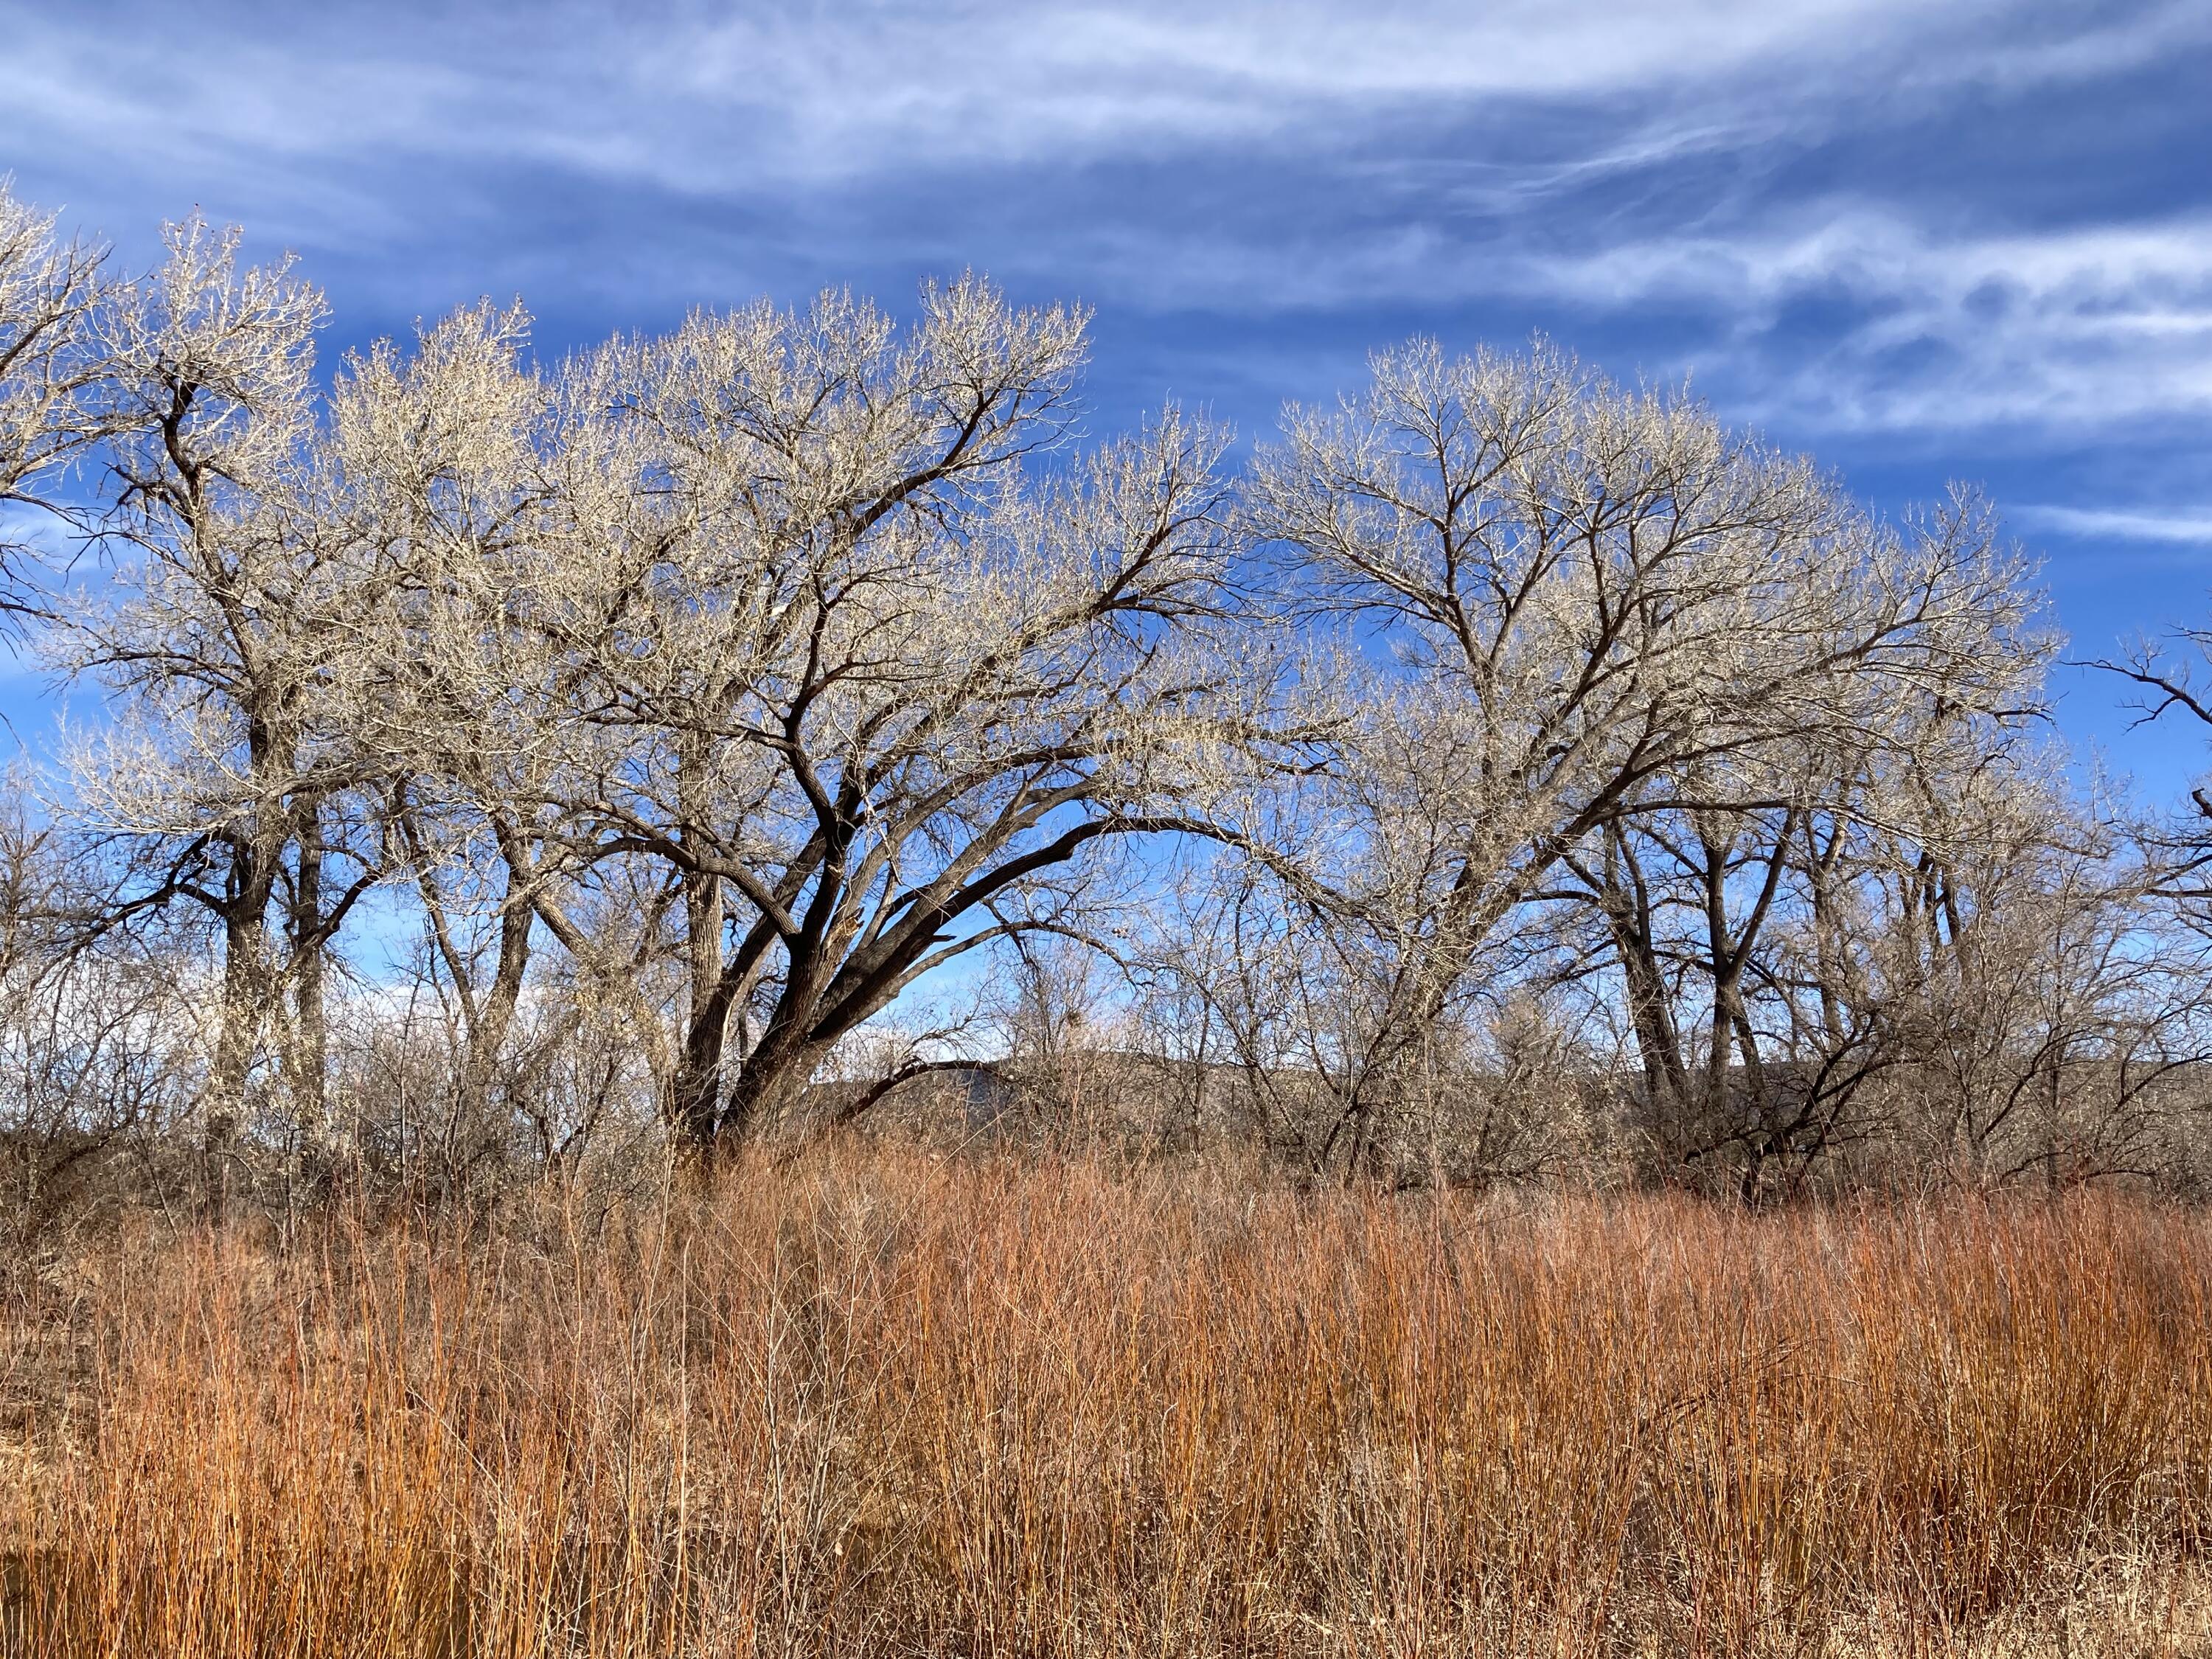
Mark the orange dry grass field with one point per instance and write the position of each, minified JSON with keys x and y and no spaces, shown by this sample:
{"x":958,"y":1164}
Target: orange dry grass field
{"x":876,"y":1401}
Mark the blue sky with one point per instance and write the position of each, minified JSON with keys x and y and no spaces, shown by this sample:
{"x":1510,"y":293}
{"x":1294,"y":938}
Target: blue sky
{"x":1925,"y":241}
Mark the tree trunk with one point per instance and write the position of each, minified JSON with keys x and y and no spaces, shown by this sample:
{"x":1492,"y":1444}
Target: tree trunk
{"x":694,"y":1103}
{"x":694,"y":1091}
{"x":307,"y":1054}
{"x":494,"y":1016}
{"x":246,"y":991}
{"x":769,"y":1083}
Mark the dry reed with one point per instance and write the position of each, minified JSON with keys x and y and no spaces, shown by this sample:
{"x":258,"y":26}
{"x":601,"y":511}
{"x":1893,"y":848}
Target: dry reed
{"x":878,"y":1401}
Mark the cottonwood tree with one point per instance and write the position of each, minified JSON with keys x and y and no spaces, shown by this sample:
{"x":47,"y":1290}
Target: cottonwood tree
{"x":1719,"y":900}
{"x":2049,"y":996}
{"x":225,"y":640}
{"x":1282,"y":1011}
{"x":1727,"y":924}
{"x":861,"y":677}
{"x":53,"y":370}
{"x":454,"y":495}
{"x":1296,"y":1004}
{"x":1687,"y":899}
{"x":1580,"y":605}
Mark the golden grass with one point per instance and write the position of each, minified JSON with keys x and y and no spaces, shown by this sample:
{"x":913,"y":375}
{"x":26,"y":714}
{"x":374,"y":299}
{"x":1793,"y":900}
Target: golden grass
{"x":881,"y":1402}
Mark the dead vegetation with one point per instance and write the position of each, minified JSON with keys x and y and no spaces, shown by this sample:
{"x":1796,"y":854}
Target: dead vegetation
{"x":876,"y":1400}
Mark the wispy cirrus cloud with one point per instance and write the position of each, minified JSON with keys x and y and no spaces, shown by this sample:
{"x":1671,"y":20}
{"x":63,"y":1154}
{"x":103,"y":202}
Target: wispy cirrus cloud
{"x":702,"y":98}
{"x":1707,"y":177}
{"x":1925,"y":328}
{"x":875,"y":87}
{"x":1970,"y":240}
{"x":2190,"y":528}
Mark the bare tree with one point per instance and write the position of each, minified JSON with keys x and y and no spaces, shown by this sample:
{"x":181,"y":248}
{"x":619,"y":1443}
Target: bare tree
{"x":53,"y":369}
{"x":222,"y":639}
{"x":695,"y":698}
{"x":863,"y":680}
{"x":451,"y":466}
{"x":1580,"y":607}
{"x":96,"y":1061}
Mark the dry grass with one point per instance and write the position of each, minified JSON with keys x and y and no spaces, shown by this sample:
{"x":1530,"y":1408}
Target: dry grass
{"x":879,"y":1402}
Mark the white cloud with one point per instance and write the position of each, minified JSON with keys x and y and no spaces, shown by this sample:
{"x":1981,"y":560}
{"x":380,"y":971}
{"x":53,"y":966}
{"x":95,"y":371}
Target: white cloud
{"x":2087,"y":325}
{"x":337,"y":132}
{"x":1847,"y":316}
{"x":793,"y":93}
{"x":2193,"y":529}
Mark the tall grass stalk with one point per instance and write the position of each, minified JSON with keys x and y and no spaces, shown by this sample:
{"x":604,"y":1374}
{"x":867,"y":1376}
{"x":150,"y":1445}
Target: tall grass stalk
{"x":877,"y":1401}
